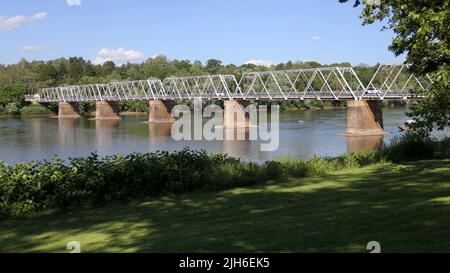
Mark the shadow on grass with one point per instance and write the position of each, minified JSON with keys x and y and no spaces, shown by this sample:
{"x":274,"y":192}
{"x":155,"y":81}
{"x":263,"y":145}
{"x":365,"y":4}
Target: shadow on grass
{"x":404,"y":207}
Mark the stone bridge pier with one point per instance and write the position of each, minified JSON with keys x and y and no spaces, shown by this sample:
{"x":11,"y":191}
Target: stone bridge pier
{"x":107,"y":110}
{"x":68,"y":110}
{"x":364,"y":118}
{"x":234,"y":115}
{"x":159,"y":111}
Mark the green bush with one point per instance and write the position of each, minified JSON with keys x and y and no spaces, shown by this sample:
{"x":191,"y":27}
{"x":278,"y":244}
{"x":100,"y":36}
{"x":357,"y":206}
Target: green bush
{"x":35,"y":109}
{"x":133,"y":106}
{"x":315,"y":103}
{"x":294,"y":167}
{"x":11,"y":109}
{"x":96,"y":181}
{"x":87,"y":107}
{"x":415,"y":146}
{"x":318,"y":166}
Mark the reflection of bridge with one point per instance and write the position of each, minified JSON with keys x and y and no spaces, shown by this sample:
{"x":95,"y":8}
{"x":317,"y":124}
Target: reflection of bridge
{"x":391,"y":82}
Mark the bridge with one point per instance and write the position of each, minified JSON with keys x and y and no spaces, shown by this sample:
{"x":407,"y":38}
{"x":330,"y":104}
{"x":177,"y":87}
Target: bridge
{"x":389,"y":82}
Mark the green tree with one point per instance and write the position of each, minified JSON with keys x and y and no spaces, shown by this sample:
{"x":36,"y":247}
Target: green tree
{"x":108,"y":67}
{"x":48,"y":72}
{"x":213,"y":65}
{"x":76,"y":68}
{"x":11,"y":108}
{"x":422,"y":33}
{"x":11,"y":94}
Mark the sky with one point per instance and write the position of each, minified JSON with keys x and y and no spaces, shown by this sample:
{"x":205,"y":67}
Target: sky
{"x":234,"y":31}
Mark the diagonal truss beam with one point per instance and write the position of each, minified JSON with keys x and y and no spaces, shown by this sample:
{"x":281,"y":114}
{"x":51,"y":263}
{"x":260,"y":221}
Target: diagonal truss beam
{"x":324,"y":83}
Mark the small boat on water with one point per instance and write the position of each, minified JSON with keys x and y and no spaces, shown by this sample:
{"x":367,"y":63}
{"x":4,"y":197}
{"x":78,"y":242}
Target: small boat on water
{"x":407,"y":125}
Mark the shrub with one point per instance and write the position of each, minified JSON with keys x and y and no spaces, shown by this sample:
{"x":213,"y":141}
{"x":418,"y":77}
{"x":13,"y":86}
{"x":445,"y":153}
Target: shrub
{"x":320,"y":166}
{"x":352,"y":160}
{"x":293,"y":167}
{"x":11,"y":109}
{"x":34,"y":109}
{"x":412,"y":146}
{"x":133,"y":106}
{"x":315,"y":104}
{"x":442,"y":148}
{"x":96,"y":181}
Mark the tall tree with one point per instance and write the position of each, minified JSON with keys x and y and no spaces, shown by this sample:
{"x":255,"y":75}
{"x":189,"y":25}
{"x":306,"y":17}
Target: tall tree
{"x":213,"y":65}
{"x":47,"y":72}
{"x":76,"y":68}
{"x":422,"y":29}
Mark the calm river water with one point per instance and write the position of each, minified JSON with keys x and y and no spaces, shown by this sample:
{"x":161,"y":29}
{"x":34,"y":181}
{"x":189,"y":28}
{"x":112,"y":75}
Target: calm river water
{"x":27,"y":139}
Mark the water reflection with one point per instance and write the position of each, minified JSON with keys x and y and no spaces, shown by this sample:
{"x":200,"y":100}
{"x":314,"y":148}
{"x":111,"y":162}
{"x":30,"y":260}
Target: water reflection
{"x":158,"y":133}
{"x":68,"y":136}
{"x":236,"y":134}
{"x":361,"y":143}
{"x":236,"y":141}
{"x":102,"y":124}
{"x":105,"y":132}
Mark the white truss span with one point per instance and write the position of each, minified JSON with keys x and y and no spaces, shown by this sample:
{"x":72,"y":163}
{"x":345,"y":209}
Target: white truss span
{"x":332,"y":83}
{"x":393,"y":82}
{"x":325,"y":83}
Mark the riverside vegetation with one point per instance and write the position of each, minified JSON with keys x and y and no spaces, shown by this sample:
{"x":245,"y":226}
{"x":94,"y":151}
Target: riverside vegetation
{"x":96,"y":181}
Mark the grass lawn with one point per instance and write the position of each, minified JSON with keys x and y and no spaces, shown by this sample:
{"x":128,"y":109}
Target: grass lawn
{"x":404,"y":207}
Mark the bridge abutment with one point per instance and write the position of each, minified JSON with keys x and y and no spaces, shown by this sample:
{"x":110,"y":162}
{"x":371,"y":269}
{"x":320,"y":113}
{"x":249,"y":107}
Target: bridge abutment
{"x":364,"y":118}
{"x":68,"y":109}
{"x":106,"y":110}
{"x":234,"y":115}
{"x":159,"y":112}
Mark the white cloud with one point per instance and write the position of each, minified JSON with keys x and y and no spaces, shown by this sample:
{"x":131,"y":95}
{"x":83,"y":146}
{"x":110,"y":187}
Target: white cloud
{"x":32,"y":48}
{"x":316,"y":38}
{"x":260,"y":62}
{"x":73,"y":2}
{"x":8,"y":23}
{"x":119,"y":55}
{"x":38,"y":16}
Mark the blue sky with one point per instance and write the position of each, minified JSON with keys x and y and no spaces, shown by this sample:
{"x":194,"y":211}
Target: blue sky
{"x":233,"y":31}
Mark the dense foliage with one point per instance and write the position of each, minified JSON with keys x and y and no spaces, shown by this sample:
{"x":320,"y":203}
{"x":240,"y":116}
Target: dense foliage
{"x":422,"y":34}
{"x":35,"y":109}
{"x":96,"y":181}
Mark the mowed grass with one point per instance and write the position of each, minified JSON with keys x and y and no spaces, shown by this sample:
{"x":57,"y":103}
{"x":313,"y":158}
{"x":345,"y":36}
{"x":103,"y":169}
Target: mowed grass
{"x":405,"y":207}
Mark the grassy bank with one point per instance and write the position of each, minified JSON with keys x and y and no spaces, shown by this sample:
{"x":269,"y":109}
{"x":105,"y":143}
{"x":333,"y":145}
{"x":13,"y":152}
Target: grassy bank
{"x":406,"y":207}
{"x":96,"y":181}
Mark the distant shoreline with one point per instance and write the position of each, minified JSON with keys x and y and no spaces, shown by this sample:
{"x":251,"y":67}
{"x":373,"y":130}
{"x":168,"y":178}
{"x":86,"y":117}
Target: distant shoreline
{"x":130,"y":113}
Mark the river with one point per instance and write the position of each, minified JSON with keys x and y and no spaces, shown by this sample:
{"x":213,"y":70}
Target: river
{"x":37,"y":138}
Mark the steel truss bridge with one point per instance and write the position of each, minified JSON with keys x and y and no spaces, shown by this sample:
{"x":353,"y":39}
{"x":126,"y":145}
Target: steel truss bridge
{"x":392,"y":82}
